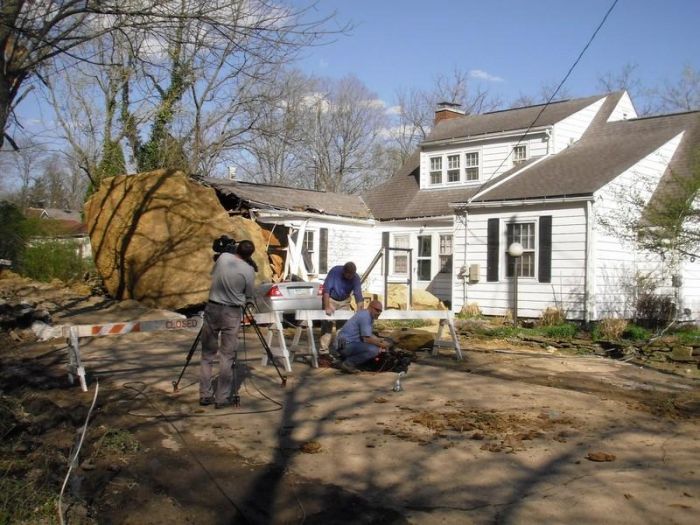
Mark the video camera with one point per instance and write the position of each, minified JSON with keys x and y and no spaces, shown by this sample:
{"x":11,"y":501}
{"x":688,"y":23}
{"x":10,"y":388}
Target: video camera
{"x":226,"y":244}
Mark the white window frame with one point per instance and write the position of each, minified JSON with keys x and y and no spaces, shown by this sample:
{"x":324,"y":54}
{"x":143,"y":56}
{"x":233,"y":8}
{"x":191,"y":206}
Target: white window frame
{"x":436,"y":170}
{"x":468,"y":166}
{"x":445,"y":252}
{"x":528,"y":260}
{"x":454,"y":167}
{"x":397,"y":239}
{"x":458,"y":165}
{"x":312,"y":248}
{"x":519,"y":159}
{"x":423,"y":258}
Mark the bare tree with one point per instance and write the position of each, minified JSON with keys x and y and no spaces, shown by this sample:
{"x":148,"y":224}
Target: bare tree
{"x":343,"y":127}
{"x":22,"y":169}
{"x":547,"y":93}
{"x":417,"y":106}
{"x":276,"y":152}
{"x":42,"y":38}
{"x":682,"y":95}
{"x":626,"y":79}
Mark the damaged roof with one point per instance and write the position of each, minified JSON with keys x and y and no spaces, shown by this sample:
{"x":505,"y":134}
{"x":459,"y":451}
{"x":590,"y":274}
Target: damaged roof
{"x":251,"y":195}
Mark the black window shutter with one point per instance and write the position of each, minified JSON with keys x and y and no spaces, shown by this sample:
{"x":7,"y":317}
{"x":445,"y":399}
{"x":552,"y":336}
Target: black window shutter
{"x":545,"y":253}
{"x":323,"y":251}
{"x":492,"y":251}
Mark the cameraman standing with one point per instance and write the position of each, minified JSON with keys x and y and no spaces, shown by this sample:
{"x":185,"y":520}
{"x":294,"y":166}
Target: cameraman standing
{"x":231,"y":287}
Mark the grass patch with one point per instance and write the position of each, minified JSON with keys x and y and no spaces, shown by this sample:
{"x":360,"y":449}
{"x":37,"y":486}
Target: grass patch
{"x":116,"y":442}
{"x":23,"y":502}
{"x":397,"y":325}
{"x":560,"y":331}
{"x":687,"y":335}
{"x":634,"y":332}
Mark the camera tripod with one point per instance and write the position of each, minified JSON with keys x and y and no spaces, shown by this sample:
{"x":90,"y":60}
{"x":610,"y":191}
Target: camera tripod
{"x":247,"y":316}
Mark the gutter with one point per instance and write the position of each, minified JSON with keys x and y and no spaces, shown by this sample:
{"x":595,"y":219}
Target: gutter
{"x":424,"y":218}
{"x":289,"y":214}
{"x":519,"y":202}
{"x":487,"y":136}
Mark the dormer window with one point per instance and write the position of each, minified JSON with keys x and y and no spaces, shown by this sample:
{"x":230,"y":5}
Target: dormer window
{"x":471,"y":163}
{"x":435,"y":170}
{"x":453,"y":168}
{"x":519,"y":155}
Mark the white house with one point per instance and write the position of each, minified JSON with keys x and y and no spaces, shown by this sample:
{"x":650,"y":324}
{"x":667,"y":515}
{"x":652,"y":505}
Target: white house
{"x":546,"y":176}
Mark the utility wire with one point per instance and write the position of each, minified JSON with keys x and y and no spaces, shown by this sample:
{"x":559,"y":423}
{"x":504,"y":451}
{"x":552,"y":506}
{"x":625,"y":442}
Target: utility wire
{"x":554,"y":94}
{"x":74,"y":459}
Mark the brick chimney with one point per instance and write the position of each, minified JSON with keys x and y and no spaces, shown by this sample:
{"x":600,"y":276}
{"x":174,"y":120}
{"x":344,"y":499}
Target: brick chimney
{"x":446,"y":111}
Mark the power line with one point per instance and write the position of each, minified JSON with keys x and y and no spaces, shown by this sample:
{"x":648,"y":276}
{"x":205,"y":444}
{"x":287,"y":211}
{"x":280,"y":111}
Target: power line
{"x":554,"y":94}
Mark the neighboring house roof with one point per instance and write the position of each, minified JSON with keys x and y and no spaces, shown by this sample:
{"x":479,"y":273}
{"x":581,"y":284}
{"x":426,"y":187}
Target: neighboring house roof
{"x":251,"y":195}
{"x":605,"y":151}
{"x":59,"y":223}
{"x":68,"y":228}
{"x":53,"y":213}
{"x":508,"y":119}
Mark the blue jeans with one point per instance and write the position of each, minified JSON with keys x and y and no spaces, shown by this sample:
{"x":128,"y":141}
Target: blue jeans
{"x":358,"y":352}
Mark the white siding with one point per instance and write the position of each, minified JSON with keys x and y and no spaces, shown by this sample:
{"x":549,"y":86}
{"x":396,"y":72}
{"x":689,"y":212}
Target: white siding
{"x":495,"y":157}
{"x":568,"y":262}
{"x":623,"y":110}
{"x":355,"y":244}
{"x":618,"y":263}
{"x":690,"y":291}
{"x":440,"y":284}
{"x":569,"y":130}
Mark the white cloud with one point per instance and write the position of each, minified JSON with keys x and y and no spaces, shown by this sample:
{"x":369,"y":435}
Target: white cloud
{"x":484,"y":75}
{"x":393,"y":110}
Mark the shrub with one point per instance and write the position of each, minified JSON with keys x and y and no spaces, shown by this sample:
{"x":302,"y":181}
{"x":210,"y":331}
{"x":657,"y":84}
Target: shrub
{"x":655,"y":310}
{"x":53,"y":259}
{"x":560,"y":331}
{"x":636,"y":333}
{"x":552,"y":316}
{"x":610,"y":328}
{"x":470,"y":310}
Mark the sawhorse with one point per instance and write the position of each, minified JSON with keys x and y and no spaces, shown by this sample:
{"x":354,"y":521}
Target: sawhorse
{"x":278,"y":344}
{"x":445,"y":317}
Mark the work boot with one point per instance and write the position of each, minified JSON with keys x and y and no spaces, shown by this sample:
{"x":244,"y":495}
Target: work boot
{"x":206,"y":401}
{"x":348,"y":368}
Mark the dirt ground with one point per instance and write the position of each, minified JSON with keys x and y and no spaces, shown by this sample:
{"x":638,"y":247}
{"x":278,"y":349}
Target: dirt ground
{"x":508,"y":435}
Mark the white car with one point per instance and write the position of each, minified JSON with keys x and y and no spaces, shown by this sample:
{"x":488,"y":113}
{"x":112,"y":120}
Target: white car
{"x":289,"y":296}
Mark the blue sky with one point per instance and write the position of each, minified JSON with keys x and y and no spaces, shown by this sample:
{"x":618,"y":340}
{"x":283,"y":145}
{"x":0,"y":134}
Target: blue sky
{"x":521,"y":44}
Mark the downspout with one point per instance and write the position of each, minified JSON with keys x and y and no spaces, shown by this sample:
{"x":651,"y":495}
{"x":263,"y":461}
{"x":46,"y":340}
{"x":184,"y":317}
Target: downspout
{"x":589,"y":284}
{"x":465,"y":270}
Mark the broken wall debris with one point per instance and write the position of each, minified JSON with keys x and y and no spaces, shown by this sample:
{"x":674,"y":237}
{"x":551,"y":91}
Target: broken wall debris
{"x":152,"y":237}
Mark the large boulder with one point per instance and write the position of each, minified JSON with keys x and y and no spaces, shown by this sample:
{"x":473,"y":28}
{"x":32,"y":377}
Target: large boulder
{"x":422,"y":299}
{"x":152,"y":235}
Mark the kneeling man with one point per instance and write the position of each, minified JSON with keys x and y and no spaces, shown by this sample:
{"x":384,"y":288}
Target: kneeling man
{"x":356,"y":342}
